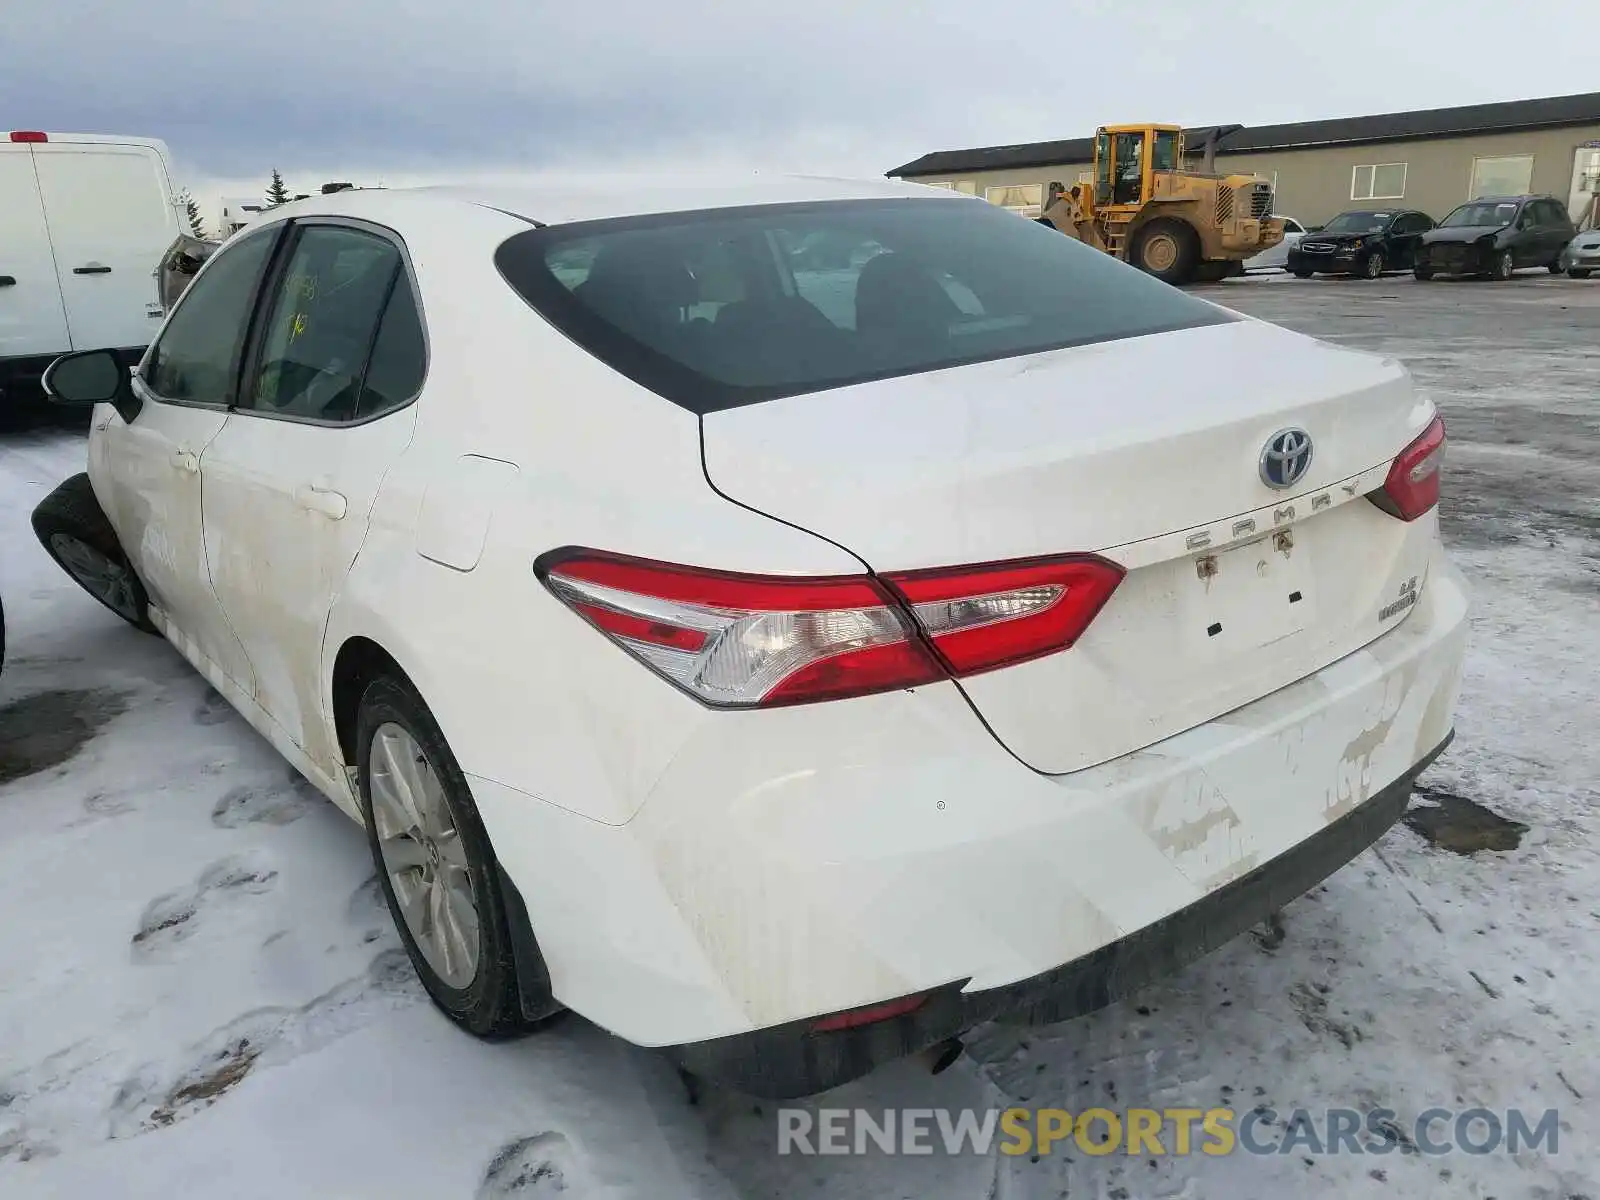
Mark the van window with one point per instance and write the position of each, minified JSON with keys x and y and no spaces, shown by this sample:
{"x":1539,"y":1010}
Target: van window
{"x":722,"y":308}
{"x":108,"y":194}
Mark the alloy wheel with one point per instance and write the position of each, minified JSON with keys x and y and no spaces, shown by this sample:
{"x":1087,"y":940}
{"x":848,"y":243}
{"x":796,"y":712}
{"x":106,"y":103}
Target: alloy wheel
{"x":423,"y":855}
{"x":103,"y":577}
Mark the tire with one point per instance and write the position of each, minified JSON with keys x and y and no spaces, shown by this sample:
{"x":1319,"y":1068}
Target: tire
{"x":1422,"y":274}
{"x":1554,"y":266}
{"x":1167,"y":248}
{"x":1302,"y":274}
{"x":73,"y":529}
{"x":1504,"y":267}
{"x":1372,"y":267}
{"x":393,"y":722}
{"x":1577,"y":272}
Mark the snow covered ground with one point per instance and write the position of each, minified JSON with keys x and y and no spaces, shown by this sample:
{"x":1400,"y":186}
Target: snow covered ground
{"x":200,"y":992}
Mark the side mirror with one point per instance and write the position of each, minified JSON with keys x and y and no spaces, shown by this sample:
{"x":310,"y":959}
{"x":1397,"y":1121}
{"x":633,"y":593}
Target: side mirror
{"x":92,"y":377}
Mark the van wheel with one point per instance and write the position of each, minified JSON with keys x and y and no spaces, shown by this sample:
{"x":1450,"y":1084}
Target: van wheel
{"x":1168,"y":249}
{"x":437,"y":870}
{"x":74,"y":531}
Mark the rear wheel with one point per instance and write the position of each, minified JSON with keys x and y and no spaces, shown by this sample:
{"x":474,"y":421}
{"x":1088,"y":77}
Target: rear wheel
{"x":434,"y":862}
{"x":1168,"y":249}
{"x":1578,"y":272}
{"x":1554,"y":265}
{"x":74,"y":531}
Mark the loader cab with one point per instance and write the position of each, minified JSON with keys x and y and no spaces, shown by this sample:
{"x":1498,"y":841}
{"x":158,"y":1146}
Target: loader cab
{"x":1126,"y":158}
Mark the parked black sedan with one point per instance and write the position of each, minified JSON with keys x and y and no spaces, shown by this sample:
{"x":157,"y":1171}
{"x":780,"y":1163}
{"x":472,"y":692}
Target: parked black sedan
{"x":1494,"y":235}
{"x":1364,"y":242}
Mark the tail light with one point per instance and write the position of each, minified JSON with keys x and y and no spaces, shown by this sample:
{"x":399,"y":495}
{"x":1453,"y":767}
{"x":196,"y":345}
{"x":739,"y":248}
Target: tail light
{"x":1412,"y":486}
{"x":980,"y":618}
{"x":29,"y":135}
{"x":743,"y":641}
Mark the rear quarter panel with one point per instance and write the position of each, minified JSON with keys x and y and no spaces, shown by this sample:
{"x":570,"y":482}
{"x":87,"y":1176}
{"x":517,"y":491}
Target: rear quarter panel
{"x":526,"y":693}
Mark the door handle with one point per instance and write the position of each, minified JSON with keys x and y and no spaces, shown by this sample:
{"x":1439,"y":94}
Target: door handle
{"x":322,"y":500}
{"x":186,"y":460}
{"x":91,"y":269}
{"x":8,"y":281}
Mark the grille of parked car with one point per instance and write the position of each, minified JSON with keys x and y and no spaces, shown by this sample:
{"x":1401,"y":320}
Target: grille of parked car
{"x":1316,"y":247}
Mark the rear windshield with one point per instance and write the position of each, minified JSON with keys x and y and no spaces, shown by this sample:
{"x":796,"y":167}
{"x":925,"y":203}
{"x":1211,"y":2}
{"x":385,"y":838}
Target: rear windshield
{"x":733,"y":306}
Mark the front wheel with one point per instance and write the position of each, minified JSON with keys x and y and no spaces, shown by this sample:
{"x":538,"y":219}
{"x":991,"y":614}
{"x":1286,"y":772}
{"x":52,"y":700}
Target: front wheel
{"x":1303,"y":274}
{"x":74,"y":530}
{"x":1422,"y":274}
{"x":435,"y":865}
{"x":1372,"y":268}
{"x":1577,"y":272}
{"x":1168,"y":249}
{"x":1503,"y":267}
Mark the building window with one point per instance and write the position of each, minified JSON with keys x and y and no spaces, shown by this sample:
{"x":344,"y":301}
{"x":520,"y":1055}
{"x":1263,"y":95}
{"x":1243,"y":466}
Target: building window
{"x":1508,"y":176}
{"x":938,"y":184}
{"x":967,"y":187}
{"x":1026,"y":199}
{"x":1384,"y":181}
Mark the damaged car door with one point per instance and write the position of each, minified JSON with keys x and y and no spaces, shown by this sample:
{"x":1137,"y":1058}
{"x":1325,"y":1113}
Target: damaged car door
{"x":323,"y":412}
{"x":149,"y":471}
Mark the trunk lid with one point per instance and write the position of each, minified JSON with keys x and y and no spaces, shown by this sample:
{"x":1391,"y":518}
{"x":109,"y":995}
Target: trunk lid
{"x":1147,"y":451}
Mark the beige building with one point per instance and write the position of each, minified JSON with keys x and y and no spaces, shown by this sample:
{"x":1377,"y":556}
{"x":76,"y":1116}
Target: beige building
{"x":1430,"y":160}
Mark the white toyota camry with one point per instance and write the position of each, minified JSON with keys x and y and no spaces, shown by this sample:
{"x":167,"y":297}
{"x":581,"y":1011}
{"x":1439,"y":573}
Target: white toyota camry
{"x":786,"y":621}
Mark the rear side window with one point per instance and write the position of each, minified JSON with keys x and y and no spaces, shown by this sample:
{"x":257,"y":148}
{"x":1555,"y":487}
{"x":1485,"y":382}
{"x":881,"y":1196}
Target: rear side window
{"x":728,"y":307}
{"x":399,"y":355}
{"x":196,"y":358}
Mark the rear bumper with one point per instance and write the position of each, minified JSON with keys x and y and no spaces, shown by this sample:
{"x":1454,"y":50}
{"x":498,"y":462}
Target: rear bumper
{"x":835,"y":856}
{"x":793,"y":1060}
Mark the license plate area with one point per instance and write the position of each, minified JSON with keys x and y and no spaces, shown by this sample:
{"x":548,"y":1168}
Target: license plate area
{"x":1249,"y":596}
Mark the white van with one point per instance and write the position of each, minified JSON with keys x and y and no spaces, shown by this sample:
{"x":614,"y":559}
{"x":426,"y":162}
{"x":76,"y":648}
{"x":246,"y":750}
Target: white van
{"x":84,"y":219}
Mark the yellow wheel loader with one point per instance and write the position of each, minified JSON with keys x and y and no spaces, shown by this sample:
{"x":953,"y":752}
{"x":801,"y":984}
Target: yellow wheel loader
{"x":1180,"y":226}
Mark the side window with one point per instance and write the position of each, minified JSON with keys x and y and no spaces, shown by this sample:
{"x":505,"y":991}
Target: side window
{"x":1552,"y":214}
{"x":196,"y":358}
{"x":399,"y":355}
{"x":1290,"y":225}
{"x":320,"y":327}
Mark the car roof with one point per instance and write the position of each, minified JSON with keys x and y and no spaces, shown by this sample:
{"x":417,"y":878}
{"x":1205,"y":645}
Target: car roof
{"x":587,"y":198}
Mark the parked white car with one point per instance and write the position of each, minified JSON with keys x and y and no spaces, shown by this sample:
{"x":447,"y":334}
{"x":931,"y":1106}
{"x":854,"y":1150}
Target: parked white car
{"x":783,"y":663}
{"x":1276,"y":258}
{"x":84,"y":219}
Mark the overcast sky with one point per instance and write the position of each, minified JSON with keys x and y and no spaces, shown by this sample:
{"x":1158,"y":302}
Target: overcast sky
{"x":417,"y":90}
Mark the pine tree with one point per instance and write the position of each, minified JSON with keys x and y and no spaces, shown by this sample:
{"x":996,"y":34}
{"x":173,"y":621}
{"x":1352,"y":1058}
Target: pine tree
{"x":277,"y":190}
{"x":192,"y":207}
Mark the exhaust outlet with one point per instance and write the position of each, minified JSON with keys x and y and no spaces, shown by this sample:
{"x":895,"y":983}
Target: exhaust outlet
{"x":942,"y":1055}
